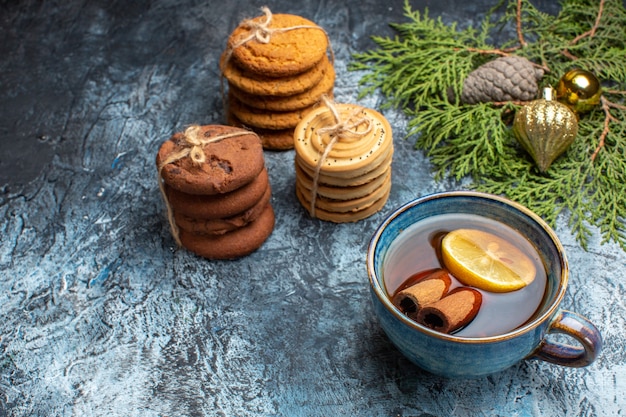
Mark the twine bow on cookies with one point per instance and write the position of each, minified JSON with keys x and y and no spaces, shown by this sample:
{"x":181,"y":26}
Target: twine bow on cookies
{"x":262,"y":33}
{"x":342,"y":129}
{"x":193,"y":148}
{"x":258,"y":30}
{"x":194,"y":145}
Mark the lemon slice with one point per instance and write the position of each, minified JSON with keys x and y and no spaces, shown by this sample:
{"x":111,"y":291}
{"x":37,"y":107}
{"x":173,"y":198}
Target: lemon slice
{"x":486,"y":261}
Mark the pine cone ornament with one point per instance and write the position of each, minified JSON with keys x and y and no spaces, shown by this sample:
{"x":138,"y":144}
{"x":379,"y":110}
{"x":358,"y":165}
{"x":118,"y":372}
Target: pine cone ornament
{"x":503,"y":79}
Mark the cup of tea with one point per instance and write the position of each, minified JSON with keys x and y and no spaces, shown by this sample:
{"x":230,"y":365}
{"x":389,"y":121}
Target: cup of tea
{"x":465,"y":329}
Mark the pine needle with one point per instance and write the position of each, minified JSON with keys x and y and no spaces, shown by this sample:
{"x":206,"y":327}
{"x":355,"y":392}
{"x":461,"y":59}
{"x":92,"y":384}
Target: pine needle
{"x":422,"y":69}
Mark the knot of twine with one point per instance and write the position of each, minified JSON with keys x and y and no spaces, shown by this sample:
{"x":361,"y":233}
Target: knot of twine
{"x":262,"y":33}
{"x":346,"y":128}
{"x":259,"y":30}
{"x":193,"y":147}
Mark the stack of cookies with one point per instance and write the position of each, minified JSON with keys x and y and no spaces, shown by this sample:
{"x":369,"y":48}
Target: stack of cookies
{"x":217,"y":191}
{"x":277,"y":69}
{"x":343,"y":167}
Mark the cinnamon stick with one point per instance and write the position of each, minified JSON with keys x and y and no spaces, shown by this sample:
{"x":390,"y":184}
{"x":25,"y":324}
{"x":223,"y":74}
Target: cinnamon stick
{"x":424,"y":292}
{"x":452,"y":312}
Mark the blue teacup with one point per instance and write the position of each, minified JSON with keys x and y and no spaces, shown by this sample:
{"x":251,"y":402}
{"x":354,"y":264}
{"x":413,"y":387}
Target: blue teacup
{"x":457,"y":356}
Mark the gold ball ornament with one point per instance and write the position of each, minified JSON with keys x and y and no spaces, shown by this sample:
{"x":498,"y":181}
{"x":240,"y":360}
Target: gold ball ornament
{"x":580,"y":90}
{"x":545,"y":128}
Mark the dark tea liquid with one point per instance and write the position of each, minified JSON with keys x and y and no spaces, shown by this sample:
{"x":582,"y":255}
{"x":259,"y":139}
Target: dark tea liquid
{"x":417,"y":250}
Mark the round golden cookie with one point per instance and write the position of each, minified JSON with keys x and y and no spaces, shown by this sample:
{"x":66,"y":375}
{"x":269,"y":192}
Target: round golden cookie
{"x":289,"y":103}
{"x":295,"y":45}
{"x":344,"y":179}
{"x":223,"y":225}
{"x":266,"y":119}
{"x":229,"y":163}
{"x":217,"y":206}
{"x":348,"y":217}
{"x":352,"y":155}
{"x":240,"y":242}
{"x":272,"y":140}
{"x":346,"y":205}
{"x":262,"y":85}
{"x":338,"y":192}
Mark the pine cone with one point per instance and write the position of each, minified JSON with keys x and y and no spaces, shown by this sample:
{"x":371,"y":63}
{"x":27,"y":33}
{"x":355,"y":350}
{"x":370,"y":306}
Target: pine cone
{"x":503,"y":79}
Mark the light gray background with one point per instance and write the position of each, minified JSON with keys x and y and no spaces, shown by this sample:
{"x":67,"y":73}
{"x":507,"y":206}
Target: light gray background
{"x":102,"y":316}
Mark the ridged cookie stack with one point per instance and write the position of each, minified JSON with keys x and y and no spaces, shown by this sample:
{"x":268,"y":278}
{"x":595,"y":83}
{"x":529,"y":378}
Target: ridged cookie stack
{"x":343,"y":162}
{"x":277,"y":69}
{"x":216,"y":188}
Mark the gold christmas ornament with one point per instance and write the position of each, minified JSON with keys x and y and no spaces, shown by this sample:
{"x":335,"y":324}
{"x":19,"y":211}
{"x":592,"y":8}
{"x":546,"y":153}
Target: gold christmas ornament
{"x":545,"y":128}
{"x":580,"y":90}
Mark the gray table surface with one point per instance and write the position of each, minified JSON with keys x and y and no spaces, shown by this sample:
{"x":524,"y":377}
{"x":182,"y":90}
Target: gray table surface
{"x":101,"y":315}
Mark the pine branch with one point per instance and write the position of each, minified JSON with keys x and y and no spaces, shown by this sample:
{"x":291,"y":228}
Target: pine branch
{"x":422,"y":71}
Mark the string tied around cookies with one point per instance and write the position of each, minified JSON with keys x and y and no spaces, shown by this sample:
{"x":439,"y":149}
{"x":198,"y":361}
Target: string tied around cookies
{"x":348,"y":127}
{"x":194,"y":142}
{"x":261,"y":32}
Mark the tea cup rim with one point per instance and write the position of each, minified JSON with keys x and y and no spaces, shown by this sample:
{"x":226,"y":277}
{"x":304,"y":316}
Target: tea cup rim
{"x":381,"y":294}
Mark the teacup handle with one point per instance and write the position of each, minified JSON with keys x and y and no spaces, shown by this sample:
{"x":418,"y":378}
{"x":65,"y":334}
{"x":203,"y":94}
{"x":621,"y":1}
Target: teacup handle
{"x":577,"y":327}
